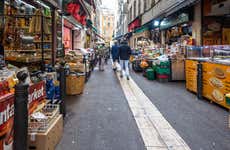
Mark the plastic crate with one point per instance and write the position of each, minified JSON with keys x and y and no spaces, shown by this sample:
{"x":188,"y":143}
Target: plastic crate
{"x":150,"y":74}
{"x":162,"y":71}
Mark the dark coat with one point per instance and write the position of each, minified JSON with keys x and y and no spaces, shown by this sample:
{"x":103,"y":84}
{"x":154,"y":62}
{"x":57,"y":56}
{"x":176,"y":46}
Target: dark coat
{"x":115,"y":52}
{"x":1,"y":50}
{"x":124,"y":52}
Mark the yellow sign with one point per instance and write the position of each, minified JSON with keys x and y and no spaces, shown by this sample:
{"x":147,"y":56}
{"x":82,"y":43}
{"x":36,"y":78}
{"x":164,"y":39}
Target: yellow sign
{"x":216,"y":82}
{"x":191,"y":75}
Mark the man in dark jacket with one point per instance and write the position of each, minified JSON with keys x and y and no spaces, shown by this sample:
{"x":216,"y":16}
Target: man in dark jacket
{"x":124,"y":55}
{"x":115,"y":55}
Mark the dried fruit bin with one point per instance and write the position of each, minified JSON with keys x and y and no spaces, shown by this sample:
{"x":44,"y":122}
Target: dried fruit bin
{"x":51,"y":111}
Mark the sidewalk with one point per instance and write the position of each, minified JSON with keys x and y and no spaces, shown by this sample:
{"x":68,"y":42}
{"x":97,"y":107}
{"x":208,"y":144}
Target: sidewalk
{"x":155,"y":130}
{"x":100,"y":119}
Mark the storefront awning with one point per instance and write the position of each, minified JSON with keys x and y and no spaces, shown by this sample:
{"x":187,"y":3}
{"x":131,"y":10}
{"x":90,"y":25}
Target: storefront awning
{"x":181,"y":5}
{"x":100,"y":36}
{"x":135,"y":24}
{"x":71,"y":22}
{"x":89,"y":24}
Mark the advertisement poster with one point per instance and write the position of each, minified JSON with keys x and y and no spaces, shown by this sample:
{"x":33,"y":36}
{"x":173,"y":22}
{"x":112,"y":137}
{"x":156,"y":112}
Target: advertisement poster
{"x":216,"y":82}
{"x":37,"y":94}
{"x":191,"y":75}
{"x":6,"y":121}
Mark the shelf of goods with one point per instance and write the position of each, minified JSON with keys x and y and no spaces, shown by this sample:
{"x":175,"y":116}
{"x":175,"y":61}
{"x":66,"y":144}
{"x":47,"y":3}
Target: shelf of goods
{"x":75,"y":81}
{"x":26,"y":37}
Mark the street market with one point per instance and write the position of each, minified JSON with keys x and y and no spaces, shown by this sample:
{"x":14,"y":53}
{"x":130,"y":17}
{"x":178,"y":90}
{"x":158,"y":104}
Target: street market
{"x":114,"y":74}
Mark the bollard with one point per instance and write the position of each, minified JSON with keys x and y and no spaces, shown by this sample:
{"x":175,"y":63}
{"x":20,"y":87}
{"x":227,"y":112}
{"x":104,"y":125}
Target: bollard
{"x":170,"y":68}
{"x":62,"y":88}
{"x":86,"y":74}
{"x":21,"y":113}
{"x":199,"y":81}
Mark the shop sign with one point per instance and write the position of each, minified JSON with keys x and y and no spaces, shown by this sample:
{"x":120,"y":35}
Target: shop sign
{"x":6,"y":121}
{"x":37,"y":94}
{"x":170,"y":22}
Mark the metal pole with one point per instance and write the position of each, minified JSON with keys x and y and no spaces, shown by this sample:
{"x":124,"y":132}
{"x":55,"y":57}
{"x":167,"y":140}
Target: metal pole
{"x":199,"y":81}
{"x":21,"y":113}
{"x":170,"y":68}
{"x":62,"y":90}
{"x":86,"y":74}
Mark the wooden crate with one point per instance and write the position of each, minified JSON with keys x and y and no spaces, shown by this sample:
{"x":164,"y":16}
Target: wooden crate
{"x":75,"y":84}
{"x":49,"y":139}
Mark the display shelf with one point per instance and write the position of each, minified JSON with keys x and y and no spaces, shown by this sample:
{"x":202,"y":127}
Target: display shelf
{"x":18,"y":61}
{"x":42,"y":41}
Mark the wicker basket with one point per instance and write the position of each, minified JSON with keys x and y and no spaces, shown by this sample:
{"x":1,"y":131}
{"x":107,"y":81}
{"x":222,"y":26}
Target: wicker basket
{"x":75,"y":84}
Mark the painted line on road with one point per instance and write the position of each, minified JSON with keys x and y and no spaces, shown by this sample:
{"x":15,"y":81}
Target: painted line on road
{"x":155,"y":130}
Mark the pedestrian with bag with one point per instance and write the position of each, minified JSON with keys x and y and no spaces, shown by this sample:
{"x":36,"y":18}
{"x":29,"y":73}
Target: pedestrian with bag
{"x":115,"y":55}
{"x":101,"y":56}
{"x":124,"y":55}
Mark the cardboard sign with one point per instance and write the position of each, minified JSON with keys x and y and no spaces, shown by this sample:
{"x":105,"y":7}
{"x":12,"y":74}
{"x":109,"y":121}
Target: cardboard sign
{"x":6,"y":121}
{"x":37,"y":95}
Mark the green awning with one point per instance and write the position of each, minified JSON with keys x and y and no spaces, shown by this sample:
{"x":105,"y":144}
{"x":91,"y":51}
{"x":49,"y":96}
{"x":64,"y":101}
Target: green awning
{"x":141,"y":29}
{"x":94,"y":29}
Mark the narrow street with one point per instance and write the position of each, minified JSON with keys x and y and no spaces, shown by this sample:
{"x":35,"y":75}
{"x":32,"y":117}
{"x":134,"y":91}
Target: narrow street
{"x":101,"y":118}
{"x":157,"y":72}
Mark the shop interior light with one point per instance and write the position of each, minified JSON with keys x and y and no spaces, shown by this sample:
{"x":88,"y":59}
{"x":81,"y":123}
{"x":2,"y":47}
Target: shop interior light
{"x":156,"y":23}
{"x":185,"y":25}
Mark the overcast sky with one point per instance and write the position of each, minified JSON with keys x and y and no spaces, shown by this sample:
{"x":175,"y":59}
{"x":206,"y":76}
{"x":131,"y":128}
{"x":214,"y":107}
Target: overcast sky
{"x":109,"y":4}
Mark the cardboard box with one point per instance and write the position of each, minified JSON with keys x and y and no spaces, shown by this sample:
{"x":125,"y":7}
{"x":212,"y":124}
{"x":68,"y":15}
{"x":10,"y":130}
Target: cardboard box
{"x":49,"y":139}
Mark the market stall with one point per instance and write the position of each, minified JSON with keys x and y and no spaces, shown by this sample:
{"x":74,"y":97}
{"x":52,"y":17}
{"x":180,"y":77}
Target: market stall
{"x":214,"y":70}
{"x":41,"y":111}
{"x":78,"y":66}
{"x":27,"y":36}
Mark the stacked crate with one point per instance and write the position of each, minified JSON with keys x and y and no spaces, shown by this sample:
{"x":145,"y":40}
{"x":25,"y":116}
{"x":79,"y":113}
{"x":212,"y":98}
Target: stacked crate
{"x":163,"y":71}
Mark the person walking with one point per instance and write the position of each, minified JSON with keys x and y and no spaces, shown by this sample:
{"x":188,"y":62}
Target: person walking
{"x":124,"y":55}
{"x":115,"y":55}
{"x":101,"y":55}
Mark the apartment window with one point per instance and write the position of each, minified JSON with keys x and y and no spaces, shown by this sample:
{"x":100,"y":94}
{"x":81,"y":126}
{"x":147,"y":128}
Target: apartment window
{"x":153,"y":2}
{"x":139,"y":7}
{"x":145,"y":5}
{"x":135,"y":7}
{"x":131,"y":14}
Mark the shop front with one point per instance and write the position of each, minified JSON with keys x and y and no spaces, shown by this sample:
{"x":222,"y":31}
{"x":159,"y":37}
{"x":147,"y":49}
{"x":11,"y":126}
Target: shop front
{"x":27,"y":34}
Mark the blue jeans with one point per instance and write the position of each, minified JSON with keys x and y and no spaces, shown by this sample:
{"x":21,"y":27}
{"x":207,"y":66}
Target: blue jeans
{"x":124,"y":67}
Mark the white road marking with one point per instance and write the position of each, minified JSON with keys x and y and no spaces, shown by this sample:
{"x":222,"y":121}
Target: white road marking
{"x":155,"y":130}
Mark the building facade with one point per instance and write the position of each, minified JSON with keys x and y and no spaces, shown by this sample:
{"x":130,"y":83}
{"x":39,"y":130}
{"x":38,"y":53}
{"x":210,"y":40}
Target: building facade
{"x":122,"y":18}
{"x":107,"y":24}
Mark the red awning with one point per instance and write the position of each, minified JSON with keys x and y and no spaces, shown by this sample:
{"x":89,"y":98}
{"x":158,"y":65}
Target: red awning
{"x":135,"y":24}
